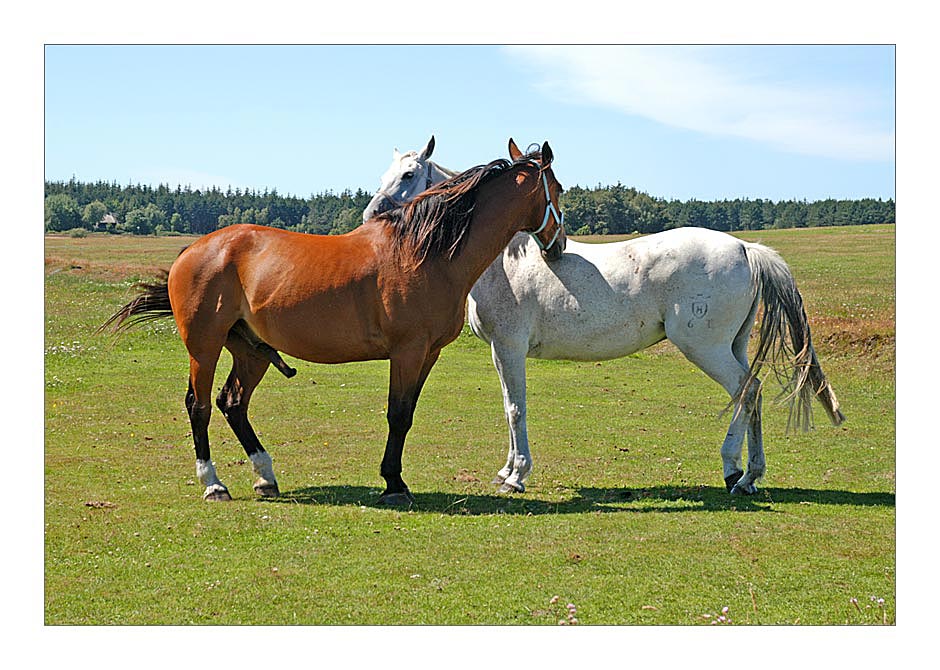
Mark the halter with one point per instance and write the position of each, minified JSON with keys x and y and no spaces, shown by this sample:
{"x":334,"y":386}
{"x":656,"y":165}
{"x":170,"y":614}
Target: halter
{"x":549,"y":210}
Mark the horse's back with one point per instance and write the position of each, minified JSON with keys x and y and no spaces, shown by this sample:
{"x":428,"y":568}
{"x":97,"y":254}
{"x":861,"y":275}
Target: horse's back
{"x":311,"y":296}
{"x":684,"y":249}
{"x":584,"y":306}
{"x":602,"y":301}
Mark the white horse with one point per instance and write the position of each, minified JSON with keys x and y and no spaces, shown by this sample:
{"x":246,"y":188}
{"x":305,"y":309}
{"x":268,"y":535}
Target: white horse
{"x":409,"y":174}
{"x":699,"y":288}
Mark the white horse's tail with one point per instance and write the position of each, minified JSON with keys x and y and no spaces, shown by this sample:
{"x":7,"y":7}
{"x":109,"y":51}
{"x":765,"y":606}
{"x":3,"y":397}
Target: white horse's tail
{"x":794,"y":362}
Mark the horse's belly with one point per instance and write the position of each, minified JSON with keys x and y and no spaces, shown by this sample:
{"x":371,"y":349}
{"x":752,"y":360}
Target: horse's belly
{"x":566,"y":338}
{"x":332,"y":332}
{"x":324,"y":346}
{"x":323,"y":351}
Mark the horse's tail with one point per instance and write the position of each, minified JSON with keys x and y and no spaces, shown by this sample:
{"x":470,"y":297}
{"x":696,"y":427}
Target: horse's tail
{"x":794,"y":363}
{"x":152,"y":303}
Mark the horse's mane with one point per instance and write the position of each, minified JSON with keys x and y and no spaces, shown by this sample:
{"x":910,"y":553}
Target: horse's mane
{"x":435,"y":223}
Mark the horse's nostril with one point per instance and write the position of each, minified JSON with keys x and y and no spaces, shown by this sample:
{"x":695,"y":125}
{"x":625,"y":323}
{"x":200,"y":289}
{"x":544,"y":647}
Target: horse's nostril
{"x":553,"y":253}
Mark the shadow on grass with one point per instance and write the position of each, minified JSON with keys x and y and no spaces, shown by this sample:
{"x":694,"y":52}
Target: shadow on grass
{"x":657,"y":499}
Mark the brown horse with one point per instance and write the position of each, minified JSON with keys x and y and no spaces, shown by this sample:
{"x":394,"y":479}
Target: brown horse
{"x":394,"y":288}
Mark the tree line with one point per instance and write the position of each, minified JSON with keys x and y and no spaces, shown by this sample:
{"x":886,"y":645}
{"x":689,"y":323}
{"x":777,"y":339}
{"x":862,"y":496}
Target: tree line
{"x":606,"y":210}
{"x":602,"y":210}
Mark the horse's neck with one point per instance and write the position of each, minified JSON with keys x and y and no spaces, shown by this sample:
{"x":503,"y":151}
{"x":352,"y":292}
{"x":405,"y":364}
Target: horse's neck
{"x":494,"y":227}
{"x":439,"y":173}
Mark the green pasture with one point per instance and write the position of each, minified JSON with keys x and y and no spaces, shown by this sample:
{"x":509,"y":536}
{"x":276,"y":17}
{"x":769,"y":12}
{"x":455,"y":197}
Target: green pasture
{"x":625,"y":516}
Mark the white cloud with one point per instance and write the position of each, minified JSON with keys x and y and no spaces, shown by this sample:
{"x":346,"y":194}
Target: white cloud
{"x":700,"y":89}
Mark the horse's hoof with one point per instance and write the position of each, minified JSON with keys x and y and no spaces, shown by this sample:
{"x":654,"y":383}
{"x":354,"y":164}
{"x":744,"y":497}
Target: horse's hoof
{"x":404,"y":499}
{"x":267,"y":490}
{"x":732,"y":479}
{"x":743,"y":490}
{"x":216,"y":495}
{"x":511,"y":488}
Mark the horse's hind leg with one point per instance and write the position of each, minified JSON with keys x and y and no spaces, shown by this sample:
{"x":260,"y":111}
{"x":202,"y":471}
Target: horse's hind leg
{"x":750,"y":409}
{"x":246,"y":374}
{"x":718,"y":361}
{"x":755,"y":447}
{"x":199,"y":407}
{"x":736,"y":480}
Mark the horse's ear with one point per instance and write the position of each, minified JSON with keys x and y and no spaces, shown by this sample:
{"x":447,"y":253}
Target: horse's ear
{"x":395,"y":155}
{"x":514,"y":152}
{"x":428,"y":150}
{"x":547,"y":155}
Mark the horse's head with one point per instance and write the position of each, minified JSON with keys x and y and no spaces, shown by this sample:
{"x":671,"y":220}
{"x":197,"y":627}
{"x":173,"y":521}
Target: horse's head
{"x":409,"y":174}
{"x":550,"y":235}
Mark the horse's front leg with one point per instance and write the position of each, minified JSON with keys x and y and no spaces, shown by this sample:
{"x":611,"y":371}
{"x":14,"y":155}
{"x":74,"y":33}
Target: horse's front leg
{"x":408,"y":372}
{"x":509,"y":359}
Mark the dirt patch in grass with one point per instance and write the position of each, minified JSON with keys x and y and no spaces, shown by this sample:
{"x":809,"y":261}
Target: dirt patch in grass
{"x":870,"y":346}
{"x":112,"y":258}
{"x":101,"y":271}
{"x":869,"y":338}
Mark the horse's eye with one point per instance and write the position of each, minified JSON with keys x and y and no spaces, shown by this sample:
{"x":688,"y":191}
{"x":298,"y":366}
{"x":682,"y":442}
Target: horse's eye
{"x":408,"y":175}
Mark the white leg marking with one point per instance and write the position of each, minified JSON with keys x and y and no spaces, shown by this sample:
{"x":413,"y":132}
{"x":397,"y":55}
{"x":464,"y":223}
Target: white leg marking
{"x":205,"y":471}
{"x":261,"y":463}
{"x":266,"y":483}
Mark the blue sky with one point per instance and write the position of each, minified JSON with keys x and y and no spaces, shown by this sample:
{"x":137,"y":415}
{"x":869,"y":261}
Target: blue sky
{"x":779,"y":122}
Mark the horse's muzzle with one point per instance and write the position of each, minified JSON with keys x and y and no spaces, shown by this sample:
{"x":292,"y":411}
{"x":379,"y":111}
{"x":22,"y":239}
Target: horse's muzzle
{"x":379,"y":204}
{"x":554,"y":252}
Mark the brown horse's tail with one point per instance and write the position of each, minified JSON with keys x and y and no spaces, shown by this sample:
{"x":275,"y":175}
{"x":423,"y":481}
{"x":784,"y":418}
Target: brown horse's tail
{"x":151,"y":304}
{"x":794,"y":363}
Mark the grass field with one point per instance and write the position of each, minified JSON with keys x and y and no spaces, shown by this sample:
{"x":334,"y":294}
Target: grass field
{"x":625,"y":516}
